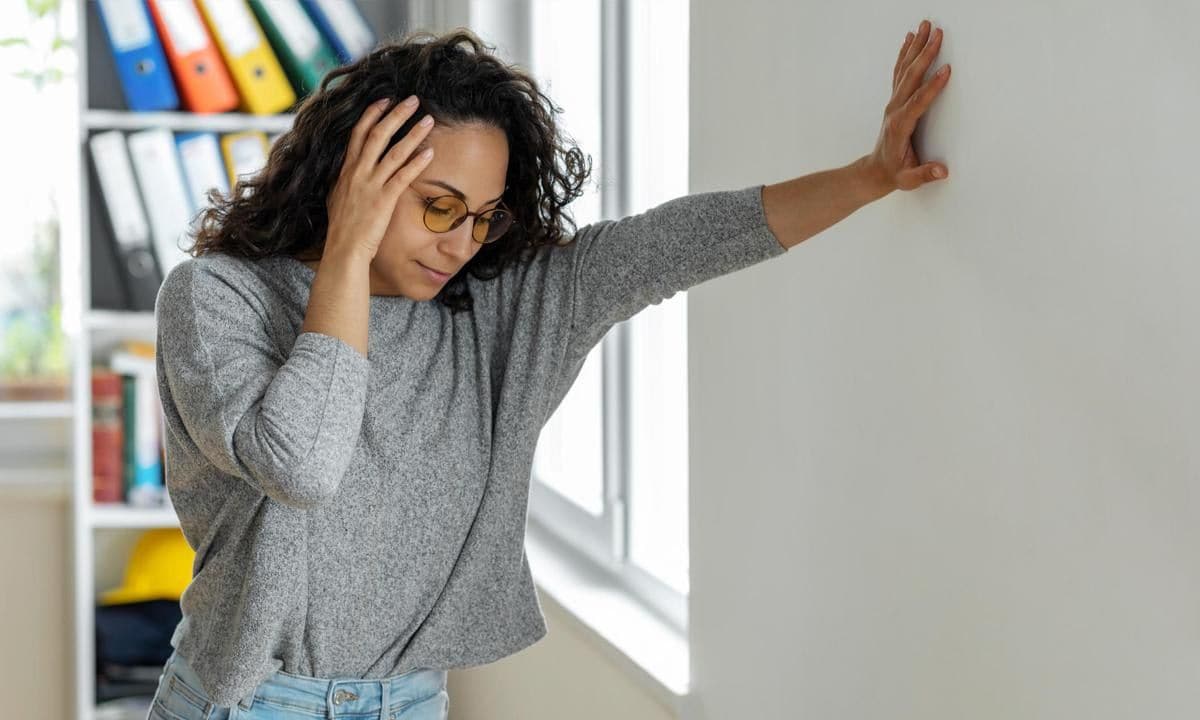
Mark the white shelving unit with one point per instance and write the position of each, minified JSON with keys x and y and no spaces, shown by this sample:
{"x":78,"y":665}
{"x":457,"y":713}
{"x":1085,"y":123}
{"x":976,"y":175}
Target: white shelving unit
{"x":104,"y":533}
{"x":183,"y":121}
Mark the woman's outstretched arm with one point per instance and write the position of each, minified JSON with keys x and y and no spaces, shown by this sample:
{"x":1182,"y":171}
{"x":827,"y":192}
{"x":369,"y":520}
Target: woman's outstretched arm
{"x":802,"y":207}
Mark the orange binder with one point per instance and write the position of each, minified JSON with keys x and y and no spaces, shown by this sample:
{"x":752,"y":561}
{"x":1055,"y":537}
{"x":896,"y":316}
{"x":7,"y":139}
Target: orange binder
{"x":203,"y":81}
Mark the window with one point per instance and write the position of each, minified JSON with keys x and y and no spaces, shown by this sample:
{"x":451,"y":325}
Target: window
{"x":36,"y":75}
{"x":658,"y":161}
{"x":610,"y":472}
{"x":565,"y":59}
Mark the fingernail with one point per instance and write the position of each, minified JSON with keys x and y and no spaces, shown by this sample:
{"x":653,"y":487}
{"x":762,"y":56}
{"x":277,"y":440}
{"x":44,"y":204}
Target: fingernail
{"x":410,"y":100}
{"x":938,"y":172}
{"x":381,"y":102}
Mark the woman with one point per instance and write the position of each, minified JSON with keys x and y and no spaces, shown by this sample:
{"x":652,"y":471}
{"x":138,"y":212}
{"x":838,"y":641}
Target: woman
{"x":357,"y":499}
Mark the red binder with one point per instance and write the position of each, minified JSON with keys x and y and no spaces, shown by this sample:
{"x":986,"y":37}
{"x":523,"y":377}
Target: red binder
{"x":201,"y":76}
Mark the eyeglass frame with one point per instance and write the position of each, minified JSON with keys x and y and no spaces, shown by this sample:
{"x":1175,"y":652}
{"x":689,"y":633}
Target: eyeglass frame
{"x":459,"y":221}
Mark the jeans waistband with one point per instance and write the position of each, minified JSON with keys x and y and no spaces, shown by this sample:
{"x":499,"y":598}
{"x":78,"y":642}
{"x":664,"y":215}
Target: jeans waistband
{"x":334,"y":697}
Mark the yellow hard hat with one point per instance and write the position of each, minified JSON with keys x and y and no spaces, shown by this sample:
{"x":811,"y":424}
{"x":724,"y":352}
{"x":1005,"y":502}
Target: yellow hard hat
{"x":159,"y":568}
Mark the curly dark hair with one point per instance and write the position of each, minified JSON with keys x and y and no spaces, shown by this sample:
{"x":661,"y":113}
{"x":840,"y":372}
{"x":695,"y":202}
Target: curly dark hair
{"x":281,"y":210}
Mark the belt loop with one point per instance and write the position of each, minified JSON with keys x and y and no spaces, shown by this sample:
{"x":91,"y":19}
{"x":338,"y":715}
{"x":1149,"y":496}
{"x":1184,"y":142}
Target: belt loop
{"x":329,"y":700}
{"x":247,"y":702}
{"x":385,"y":686}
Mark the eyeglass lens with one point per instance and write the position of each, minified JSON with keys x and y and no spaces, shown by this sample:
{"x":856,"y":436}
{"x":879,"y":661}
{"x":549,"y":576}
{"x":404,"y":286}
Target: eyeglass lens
{"x":445,"y":213}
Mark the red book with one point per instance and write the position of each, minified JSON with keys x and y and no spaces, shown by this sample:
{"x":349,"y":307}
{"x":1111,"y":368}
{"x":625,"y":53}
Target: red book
{"x":108,"y":462}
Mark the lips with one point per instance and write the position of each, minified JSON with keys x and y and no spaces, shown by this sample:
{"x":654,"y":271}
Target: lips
{"x":435,"y":274}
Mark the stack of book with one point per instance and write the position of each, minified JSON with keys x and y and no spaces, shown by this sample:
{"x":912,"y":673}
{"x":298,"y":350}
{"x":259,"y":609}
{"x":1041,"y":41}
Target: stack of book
{"x":127,"y":429}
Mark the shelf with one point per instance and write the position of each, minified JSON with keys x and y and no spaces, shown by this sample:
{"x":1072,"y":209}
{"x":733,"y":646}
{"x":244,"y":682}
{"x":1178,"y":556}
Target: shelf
{"x":12,"y":410}
{"x":120,"y":515}
{"x":184,"y":121}
{"x":130,"y":321}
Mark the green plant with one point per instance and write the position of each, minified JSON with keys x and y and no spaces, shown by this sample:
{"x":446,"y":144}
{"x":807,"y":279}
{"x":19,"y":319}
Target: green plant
{"x":32,"y":343}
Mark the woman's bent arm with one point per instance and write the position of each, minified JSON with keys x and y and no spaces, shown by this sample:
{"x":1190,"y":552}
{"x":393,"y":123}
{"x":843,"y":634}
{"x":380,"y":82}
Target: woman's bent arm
{"x":339,"y":300}
{"x":282,"y":414}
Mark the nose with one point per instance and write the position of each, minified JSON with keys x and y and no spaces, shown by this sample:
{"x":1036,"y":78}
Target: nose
{"x":458,"y":243}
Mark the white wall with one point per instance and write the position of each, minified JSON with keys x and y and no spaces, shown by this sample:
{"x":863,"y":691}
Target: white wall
{"x":563,"y":675}
{"x":36,"y":644}
{"x":943,"y":454}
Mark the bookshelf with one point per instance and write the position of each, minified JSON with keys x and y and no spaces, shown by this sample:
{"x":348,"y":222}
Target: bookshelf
{"x":103,"y":534}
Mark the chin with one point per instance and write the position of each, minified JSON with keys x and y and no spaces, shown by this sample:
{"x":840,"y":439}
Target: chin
{"x":420,"y":290}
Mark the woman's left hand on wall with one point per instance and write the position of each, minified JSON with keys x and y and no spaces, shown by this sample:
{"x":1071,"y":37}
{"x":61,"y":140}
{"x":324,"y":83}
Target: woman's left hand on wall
{"x":894,"y":161}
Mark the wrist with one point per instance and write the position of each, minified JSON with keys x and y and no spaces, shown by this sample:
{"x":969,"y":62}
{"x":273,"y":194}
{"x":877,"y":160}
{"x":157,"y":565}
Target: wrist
{"x":872,"y":178}
{"x":346,"y":253}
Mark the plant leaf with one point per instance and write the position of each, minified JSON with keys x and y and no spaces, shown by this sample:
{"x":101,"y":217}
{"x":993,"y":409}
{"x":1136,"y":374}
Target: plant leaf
{"x":41,"y":8}
{"x":13,"y":41}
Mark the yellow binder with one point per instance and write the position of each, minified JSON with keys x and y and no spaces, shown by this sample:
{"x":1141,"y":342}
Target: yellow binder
{"x":245,"y":153}
{"x":260,"y":80}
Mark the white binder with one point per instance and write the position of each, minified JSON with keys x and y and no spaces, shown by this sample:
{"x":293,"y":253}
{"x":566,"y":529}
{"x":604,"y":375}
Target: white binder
{"x":156,"y":164}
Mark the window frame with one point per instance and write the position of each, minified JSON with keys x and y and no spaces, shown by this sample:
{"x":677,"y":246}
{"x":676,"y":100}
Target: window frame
{"x":604,"y":540}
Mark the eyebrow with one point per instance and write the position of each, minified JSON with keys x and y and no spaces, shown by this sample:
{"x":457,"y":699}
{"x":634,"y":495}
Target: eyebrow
{"x":458,"y":193}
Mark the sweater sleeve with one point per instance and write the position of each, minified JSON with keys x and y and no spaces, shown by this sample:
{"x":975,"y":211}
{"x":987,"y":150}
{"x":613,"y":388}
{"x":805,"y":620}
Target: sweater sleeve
{"x":287,"y":424}
{"x":613,"y":269}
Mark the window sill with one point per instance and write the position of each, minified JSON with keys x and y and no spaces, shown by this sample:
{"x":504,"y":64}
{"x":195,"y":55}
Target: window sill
{"x":652,"y":652}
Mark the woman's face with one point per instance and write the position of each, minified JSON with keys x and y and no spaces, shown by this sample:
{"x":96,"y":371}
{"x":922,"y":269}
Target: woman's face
{"x":472,"y":159}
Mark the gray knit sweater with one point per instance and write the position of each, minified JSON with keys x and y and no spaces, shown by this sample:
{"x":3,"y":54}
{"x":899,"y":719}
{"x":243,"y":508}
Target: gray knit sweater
{"x":364,"y":516}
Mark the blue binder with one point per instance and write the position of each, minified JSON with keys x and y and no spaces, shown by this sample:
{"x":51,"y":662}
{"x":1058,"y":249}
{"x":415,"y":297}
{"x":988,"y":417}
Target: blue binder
{"x":141,"y":65}
{"x":343,"y":26}
{"x":203,"y":166}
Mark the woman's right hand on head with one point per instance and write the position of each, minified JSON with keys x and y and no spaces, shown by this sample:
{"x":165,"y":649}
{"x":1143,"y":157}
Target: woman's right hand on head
{"x":362,"y":201}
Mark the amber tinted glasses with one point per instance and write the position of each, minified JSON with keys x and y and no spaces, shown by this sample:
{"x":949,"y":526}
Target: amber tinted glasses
{"x":446,"y":212}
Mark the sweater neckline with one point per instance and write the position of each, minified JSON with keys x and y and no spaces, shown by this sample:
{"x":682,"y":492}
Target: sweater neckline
{"x":307,"y":275}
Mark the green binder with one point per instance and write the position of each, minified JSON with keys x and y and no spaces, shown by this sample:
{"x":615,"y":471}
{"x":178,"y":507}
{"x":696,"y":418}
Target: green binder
{"x":302,"y":50}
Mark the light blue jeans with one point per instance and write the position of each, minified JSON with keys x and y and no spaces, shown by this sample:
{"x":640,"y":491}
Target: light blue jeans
{"x":415,"y":695}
